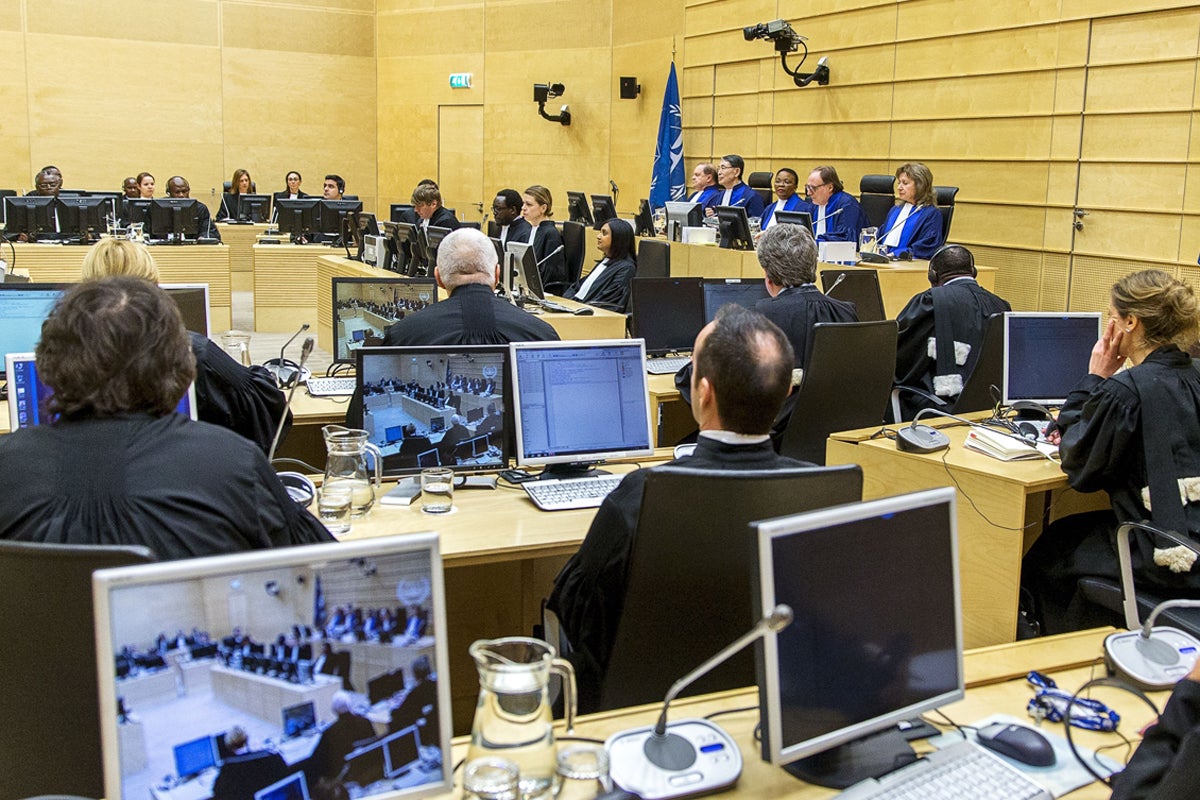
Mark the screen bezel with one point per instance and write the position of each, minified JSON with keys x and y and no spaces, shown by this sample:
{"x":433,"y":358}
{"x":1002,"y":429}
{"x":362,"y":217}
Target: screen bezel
{"x":603,"y":201}
{"x":685,"y":214}
{"x":1007,"y":399}
{"x":28,"y":287}
{"x":794,"y":218}
{"x":580,"y":457}
{"x":168,"y":287}
{"x":734,"y":221}
{"x":247,"y":202}
{"x":164,"y":208}
{"x":525,"y":271}
{"x":578,"y":209}
{"x":333,"y":212}
{"x":335,"y":282}
{"x":290,"y":207}
{"x":751,"y":284}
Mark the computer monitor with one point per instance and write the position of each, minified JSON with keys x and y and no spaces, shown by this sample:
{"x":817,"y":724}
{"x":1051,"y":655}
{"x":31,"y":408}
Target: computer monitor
{"x":411,"y":248}
{"x":361,"y":226}
{"x":433,"y":239}
{"x":525,"y":272}
{"x":794,"y":218}
{"x":192,"y":758}
{"x":85,"y":217}
{"x":333,"y":214}
{"x":577,"y":209}
{"x":603,"y":209}
{"x":174,"y":218}
{"x":299,"y":718}
{"x":23,"y":309}
{"x":721,"y":291}
{"x":403,"y":750}
{"x":385,"y":685}
{"x":135,"y":604}
{"x":683,"y":214}
{"x":429,"y":392}
{"x":734,"y":226}
{"x":847,"y":668}
{"x":668,"y":313}
{"x":193,"y":302}
{"x":293,"y":787}
{"x":253,"y":207}
{"x":364,"y":308}
{"x":33,"y":214}
{"x":643,"y":223}
{"x":578,"y":403}
{"x":401,"y":212}
{"x":474,"y":414}
{"x":297,"y":217}
{"x":1046,"y":353}
{"x":136,"y":210}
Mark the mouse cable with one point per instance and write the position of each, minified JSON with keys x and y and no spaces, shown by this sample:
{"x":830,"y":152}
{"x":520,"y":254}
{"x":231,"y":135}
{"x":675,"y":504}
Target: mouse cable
{"x":1115,"y":684}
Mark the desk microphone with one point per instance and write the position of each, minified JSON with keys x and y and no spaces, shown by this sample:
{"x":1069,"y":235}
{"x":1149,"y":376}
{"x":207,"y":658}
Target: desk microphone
{"x":551,"y":254}
{"x":674,"y":750}
{"x":298,"y":486}
{"x":616,"y":192}
{"x":284,"y":369}
{"x":840,"y":278}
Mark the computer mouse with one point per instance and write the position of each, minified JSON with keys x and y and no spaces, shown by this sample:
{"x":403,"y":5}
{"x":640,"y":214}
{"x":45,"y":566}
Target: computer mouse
{"x":1018,"y":743}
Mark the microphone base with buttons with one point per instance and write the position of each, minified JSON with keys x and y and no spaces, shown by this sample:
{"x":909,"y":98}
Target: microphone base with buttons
{"x":693,"y":757}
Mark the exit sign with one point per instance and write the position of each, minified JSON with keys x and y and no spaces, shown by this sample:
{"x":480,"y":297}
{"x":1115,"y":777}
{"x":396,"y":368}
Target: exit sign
{"x":460,"y":80}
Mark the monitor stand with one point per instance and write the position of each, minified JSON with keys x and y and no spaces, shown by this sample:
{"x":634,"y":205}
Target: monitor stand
{"x":575,"y":469}
{"x":845,"y":765}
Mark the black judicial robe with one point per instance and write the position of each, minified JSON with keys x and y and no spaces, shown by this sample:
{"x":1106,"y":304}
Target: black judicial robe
{"x":243,"y":399}
{"x":518,"y":231}
{"x":611,"y":289}
{"x":797,"y":308}
{"x":179,"y":487}
{"x":472,"y":314}
{"x":553,"y":269}
{"x":444,"y":218}
{"x":1166,"y":765}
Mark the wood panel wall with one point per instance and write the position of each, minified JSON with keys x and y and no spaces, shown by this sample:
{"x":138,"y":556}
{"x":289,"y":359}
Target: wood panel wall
{"x":108,"y":88}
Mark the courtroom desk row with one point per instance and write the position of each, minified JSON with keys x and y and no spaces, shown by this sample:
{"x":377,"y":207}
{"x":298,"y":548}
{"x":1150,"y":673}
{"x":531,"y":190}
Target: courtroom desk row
{"x":1002,"y":507}
{"x":62,"y":263}
{"x":241,"y":240}
{"x":995,"y":681}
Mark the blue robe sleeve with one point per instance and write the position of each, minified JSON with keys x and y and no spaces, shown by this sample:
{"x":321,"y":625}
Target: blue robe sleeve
{"x":754,"y":203}
{"x":926,"y":235}
{"x":845,"y":226}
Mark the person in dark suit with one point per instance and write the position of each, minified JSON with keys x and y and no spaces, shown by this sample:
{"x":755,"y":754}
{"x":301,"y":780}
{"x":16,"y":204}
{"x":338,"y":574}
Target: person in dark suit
{"x":292,"y":192}
{"x":607,"y":285}
{"x":537,"y":206}
{"x":458,"y":432}
{"x":177,"y":186}
{"x":329,"y":756}
{"x":241,"y":184}
{"x":510,"y":226}
{"x":427,"y":203}
{"x":420,"y":705}
{"x":243,"y":773}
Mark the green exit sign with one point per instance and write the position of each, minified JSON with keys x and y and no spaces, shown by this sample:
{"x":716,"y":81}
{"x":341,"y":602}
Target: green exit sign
{"x":460,"y":80}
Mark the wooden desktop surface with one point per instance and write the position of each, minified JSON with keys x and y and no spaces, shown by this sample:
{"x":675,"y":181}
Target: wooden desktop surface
{"x":241,"y":240}
{"x":1001,"y":506}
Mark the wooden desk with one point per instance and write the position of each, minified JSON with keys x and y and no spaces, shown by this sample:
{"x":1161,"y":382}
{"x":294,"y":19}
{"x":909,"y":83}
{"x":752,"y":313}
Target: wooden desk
{"x":1001,"y":506}
{"x":241,"y":240}
{"x":285,"y":285}
{"x":60,"y":263}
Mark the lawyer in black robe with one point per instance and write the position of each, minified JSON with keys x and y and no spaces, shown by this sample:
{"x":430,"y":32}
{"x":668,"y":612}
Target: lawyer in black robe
{"x":1166,"y":765}
{"x":243,"y":399}
{"x":608,"y":284}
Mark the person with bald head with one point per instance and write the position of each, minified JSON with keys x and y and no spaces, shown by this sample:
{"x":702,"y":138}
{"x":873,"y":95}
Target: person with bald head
{"x":177,"y":186}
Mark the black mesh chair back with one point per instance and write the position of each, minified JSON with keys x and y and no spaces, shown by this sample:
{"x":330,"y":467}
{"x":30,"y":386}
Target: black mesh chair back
{"x":944,"y":196}
{"x":653,"y":259}
{"x":847,"y":384}
{"x":691,"y":567}
{"x":875,"y":195}
{"x":859,"y":286}
{"x":50,"y":739}
{"x":763,"y":183}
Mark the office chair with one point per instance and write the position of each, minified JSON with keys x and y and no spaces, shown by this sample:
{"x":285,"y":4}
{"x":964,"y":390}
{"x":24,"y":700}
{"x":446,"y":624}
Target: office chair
{"x":763,"y":183}
{"x":653,"y":259}
{"x":945,"y":201}
{"x":851,"y":368}
{"x":228,"y":187}
{"x":50,"y":738}
{"x":691,"y":572}
{"x":573,"y":235}
{"x":875,"y":195}
{"x":859,"y":286}
{"x":986,"y":371}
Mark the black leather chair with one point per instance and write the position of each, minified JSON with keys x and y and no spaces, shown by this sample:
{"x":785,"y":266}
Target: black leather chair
{"x":987,"y":370}
{"x":573,"y":235}
{"x":763,"y":183}
{"x":859,"y":286}
{"x":228,"y":186}
{"x":876,"y":196}
{"x":944,"y":196}
{"x":851,"y":368}
{"x":50,"y":739}
{"x":691,"y":572}
{"x":653,"y":259}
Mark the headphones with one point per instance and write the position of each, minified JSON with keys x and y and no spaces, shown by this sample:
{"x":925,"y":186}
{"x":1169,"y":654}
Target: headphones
{"x":934,"y":277}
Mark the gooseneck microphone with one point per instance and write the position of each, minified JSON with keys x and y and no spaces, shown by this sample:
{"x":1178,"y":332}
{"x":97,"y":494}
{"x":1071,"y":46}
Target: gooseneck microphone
{"x":840,"y":278}
{"x":616,"y":192}
{"x":305,"y":351}
{"x":551,"y":254}
{"x":281,"y":366}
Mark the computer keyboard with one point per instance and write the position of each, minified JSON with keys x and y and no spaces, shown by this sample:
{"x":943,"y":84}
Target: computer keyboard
{"x":337,"y":386}
{"x":550,"y":305}
{"x":568,"y":493}
{"x":668,"y":365}
{"x":964,"y":770}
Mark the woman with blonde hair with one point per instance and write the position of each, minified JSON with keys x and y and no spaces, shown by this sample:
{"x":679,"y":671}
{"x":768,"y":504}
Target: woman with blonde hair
{"x":537,"y":206}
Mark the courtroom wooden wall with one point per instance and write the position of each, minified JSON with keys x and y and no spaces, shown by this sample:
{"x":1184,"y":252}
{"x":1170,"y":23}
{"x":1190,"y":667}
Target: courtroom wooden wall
{"x":1033,"y":108}
{"x":107,"y":88}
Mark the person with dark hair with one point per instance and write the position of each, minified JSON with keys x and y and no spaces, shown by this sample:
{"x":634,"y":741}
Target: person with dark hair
{"x":506,"y":211}
{"x":935,"y":364}
{"x":1134,"y":433}
{"x":914,"y":226}
{"x":118,"y":465}
{"x":733,"y":191}
{"x":48,"y":182}
{"x":705,"y":190}
{"x":786,"y":181}
{"x":241,"y":184}
{"x":292,"y":192}
{"x":129,"y":187}
{"x":608,"y":284}
{"x":743,"y":371}
{"x":334,"y":187}
{"x":537,"y":206}
{"x":427,"y":203}
{"x":145,"y":182}
{"x":177,"y":186}
{"x":420,"y":704}
{"x":836,"y":215}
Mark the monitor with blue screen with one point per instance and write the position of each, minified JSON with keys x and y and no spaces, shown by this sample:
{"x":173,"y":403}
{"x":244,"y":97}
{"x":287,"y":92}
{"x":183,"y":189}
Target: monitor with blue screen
{"x":23,"y":309}
{"x":1046,"y":353}
{"x":299,"y":718}
{"x":192,"y":758}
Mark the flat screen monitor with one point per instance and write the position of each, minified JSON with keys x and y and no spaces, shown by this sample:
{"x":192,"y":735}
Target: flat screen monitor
{"x":643,"y":223}
{"x":433,"y":239}
{"x":362,"y":225}
{"x":526,"y":278}
{"x":734,"y":226}
{"x":794,"y":218}
{"x":136,"y":210}
{"x":858,"y":286}
{"x":23,"y":309}
{"x":33,"y":214}
{"x":578,"y":210}
{"x":385,"y":685}
{"x":318,"y":583}
{"x":849,"y":667}
{"x":721,"y":291}
{"x":192,"y":300}
{"x":1046,"y":353}
{"x":174,"y":218}
{"x":192,"y":758}
{"x":410,"y":246}
{"x":403,"y":751}
{"x":85,"y":217}
{"x":293,"y":787}
{"x":299,"y":718}
{"x":364,"y":308}
{"x":429,"y":392}
{"x":334,"y":213}
{"x":668,"y":313}
{"x":297,"y":217}
{"x":682,"y":214}
{"x":603,"y":209}
{"x":578,"y":403}
{"x":402,"y":212}
{"x":253,"y":207}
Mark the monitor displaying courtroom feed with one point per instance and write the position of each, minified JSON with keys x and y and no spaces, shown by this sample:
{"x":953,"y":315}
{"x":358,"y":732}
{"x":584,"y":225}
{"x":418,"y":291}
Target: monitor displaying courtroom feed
{"x":23,"y":309}
{"x":435,"y":406}
{"x":1046,"y":353}
{"x":579,"y":403}
{"x":192,"y":300}
{"x":848,"y":668}
{"x":722,"y":291}
{"x":292,"y":626}
{"x":364,"y":308}
{"x":668,"y":313}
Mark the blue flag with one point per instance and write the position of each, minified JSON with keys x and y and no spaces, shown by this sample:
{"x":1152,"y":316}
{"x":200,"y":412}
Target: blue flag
{"x":668,"y":181}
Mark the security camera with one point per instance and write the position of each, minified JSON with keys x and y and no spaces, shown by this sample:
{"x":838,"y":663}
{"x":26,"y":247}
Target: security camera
{"x":768,"y":30}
